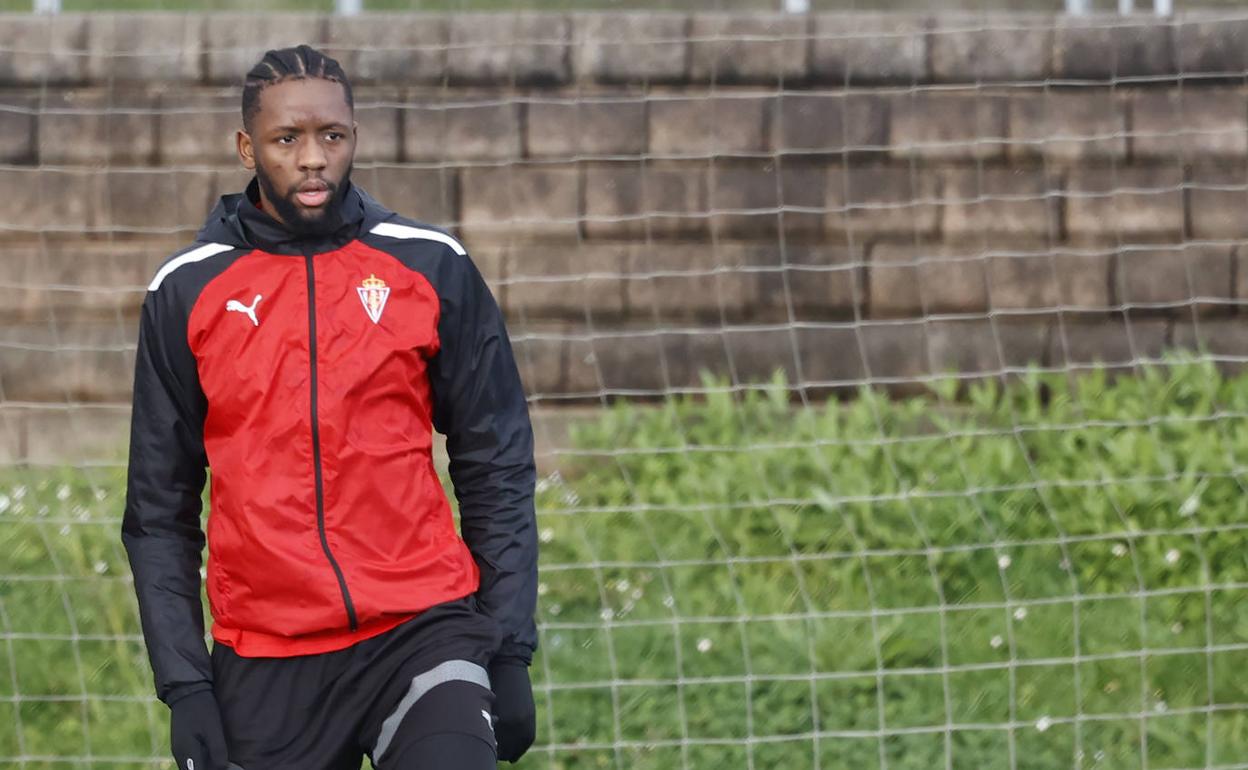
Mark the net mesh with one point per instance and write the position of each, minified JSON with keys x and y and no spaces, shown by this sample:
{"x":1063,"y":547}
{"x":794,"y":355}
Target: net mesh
{"x":884,"y":368}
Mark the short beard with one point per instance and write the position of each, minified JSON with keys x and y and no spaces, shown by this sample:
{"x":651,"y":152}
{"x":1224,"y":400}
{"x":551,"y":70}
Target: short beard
{"x":288,"y":212}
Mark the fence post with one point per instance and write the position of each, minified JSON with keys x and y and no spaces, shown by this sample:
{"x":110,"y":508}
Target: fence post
{"x":348,"y":7}
{"x":1077,"y":7}
{"x":47,"y":6}
{"x":797,"y":6}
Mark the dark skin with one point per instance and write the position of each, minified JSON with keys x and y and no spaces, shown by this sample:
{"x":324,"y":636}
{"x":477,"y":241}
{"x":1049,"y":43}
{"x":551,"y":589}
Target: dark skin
{"x":301,"y":144}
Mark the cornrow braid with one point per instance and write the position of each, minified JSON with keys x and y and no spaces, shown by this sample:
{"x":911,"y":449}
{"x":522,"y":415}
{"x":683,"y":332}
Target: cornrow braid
{"x":298,"y":63}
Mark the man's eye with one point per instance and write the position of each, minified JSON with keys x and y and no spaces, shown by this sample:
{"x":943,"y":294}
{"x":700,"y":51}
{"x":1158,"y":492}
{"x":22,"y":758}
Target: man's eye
{"x":334,"y":136}
{"x":288,"y":139}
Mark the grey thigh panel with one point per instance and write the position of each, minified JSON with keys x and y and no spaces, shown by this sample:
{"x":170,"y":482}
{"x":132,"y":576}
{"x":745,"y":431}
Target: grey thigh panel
{"x":450,"y":671}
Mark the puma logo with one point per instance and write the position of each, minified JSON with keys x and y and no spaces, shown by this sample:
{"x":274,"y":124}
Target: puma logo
{"x":249,"y":311}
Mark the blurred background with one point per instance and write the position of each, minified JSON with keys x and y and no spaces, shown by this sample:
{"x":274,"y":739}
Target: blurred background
{"x":886,"y":360}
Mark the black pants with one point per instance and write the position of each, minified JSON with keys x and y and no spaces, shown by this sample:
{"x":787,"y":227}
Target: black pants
{"x":415,"y":698}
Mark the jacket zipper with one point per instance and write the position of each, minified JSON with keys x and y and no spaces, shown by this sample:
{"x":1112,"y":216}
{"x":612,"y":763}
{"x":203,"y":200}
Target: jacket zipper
{"x":316,"y":448}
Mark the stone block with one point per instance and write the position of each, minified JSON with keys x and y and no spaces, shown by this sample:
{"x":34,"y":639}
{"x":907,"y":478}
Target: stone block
{"x":227,"y":181}
{"x":578,"y":283}
{"x":631,"y":47}
{"x":487,"y":130}
{"x":145,"y":48}
{"x":379,"y":118}
{"x":831,"y":122}
{"x":1217,"y":197}
{"x":586,"y":126}
{"x":542,"y":361}
{"x":895,"y":354}
{"x":701,"y":126}
{"x":759,"y":48}
{"x":636,"y":200}
{"x":986,"y":347}
{"x":1040,"y":278}
{"x":1068,"y":126}
{"x":1127,"y":203}
{"x":991,"y":48}
{"x":19,"y":141}
{"x":1112,"y":342}
{"x":75,"y":281}
{"x":508,"y":48}
{"x":43,"y":201}
{"x":52,"y":435}
{"x":1190,"y":123}
{"x":1209,"y":45}
{"x":94,"y":128}
{"x":1174,"y":280}
{"x":1009,"y":201}
{"x":909,"y":281}
{"x":520,"y":202}
{"x":832,"y":356}
{"x":868,"y":49}
{"x":1225,"y":338}
{"x":199,"y":128}
{"x":91,"y":362}
{"x":687,"y":282}
{"x":417,"y":192}
{"x":886,"y":200}
{"x":636,"y":362}
{"x":811,"y":282}
{"x":155,"y":201}
{"x":44,"y":50}
{"x":951,"y":125}
{"x":1101,"y":47}
{"x":758,"y":198}
{"x":390,"y":48}
{"x":234,"y":43}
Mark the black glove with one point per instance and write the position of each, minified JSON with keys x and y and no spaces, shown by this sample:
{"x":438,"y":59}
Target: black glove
{"x":196,"y":735}
{"x":513,"y":704}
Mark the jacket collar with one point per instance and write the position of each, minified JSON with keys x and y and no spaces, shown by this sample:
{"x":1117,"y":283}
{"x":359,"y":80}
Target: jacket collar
{"x":237,"y":221}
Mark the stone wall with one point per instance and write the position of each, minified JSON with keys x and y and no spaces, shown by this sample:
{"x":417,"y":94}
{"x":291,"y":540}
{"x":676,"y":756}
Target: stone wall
{"x":848,"y":198}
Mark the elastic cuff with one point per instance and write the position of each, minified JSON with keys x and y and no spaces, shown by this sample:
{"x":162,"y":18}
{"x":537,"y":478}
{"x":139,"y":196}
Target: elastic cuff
{"x":181,"y":691}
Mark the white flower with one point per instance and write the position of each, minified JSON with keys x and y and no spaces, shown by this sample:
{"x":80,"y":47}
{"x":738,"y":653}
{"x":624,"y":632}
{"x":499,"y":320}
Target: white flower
{"x":100,"y":495}
{"x":996,"y":641}
{"x":622,"y":585}
{"x":1177,"y":628}
{"x":101,"y":567}
{"x":704,"y":644}
{"x":1004,"y":562}
{"x":546,"y":535}
{"x":1172,"y":556}
{"x":1020,"y":613}
{"x":669,"y":601}
{"x":64,"y":530}
{"x":1043,"y":723}
{"x":19,"y":491}
{"x":1160,"y":707}
{"x":606,"y":614}
{"x":554,"y":609}
{"x":5,"y":502}
{"x":62,"y":492}
{"x":542,"y":589}
{"x":1119,"y":550}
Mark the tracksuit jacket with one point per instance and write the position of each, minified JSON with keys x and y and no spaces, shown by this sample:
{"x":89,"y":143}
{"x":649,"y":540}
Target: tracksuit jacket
{"x":309,"y":375}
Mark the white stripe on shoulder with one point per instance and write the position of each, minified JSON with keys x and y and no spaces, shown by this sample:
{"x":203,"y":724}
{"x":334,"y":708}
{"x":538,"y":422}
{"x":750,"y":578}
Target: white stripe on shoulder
{"x":194,"y":255}
{"x":391,"y":230}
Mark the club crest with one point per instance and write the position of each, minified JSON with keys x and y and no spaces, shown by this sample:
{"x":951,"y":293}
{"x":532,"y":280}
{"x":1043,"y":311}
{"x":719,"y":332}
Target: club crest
{"x":373,"y":293}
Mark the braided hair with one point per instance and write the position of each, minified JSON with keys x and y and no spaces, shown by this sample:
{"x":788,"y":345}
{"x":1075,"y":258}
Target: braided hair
{"x":298,"y":63}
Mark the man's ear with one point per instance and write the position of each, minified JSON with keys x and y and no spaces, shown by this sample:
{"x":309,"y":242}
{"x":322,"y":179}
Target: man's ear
{"x":246,"y":150}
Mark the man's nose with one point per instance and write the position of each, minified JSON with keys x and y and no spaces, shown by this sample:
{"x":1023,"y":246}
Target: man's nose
{"x":311,"y":155}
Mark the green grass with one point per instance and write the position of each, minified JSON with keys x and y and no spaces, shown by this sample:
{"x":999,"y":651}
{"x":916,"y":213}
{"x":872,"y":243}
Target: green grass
{"x":1000,"y":576}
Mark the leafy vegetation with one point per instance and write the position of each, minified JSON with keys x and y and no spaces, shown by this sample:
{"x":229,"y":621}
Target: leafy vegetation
{"x":1046,"y":573}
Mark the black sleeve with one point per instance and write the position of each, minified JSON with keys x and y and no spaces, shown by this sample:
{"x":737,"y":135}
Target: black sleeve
{"x":479,"y":404}
{"x":161,"y":526}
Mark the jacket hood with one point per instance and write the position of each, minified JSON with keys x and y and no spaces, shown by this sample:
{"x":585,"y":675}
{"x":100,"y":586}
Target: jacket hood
{"x":238,"y":222}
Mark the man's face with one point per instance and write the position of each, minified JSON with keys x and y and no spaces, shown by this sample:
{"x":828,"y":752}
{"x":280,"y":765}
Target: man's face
{"x":301,"y":145}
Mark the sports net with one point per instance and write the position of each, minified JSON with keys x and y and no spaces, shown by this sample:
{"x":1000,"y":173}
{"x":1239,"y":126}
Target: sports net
{"x":885,"y":368}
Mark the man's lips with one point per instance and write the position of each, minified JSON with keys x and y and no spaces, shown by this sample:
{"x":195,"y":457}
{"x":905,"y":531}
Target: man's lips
{"x":313,"y":195}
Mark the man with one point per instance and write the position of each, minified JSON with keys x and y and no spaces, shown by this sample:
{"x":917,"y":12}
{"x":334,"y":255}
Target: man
{"x":304,"y":348}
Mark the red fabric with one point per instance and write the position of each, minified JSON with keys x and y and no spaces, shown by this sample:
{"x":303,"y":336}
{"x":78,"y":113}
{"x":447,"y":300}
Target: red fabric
{"x":271,"y":588}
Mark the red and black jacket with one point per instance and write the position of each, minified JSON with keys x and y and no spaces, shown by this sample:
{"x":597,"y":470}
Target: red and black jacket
{"x":309,"y":375}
